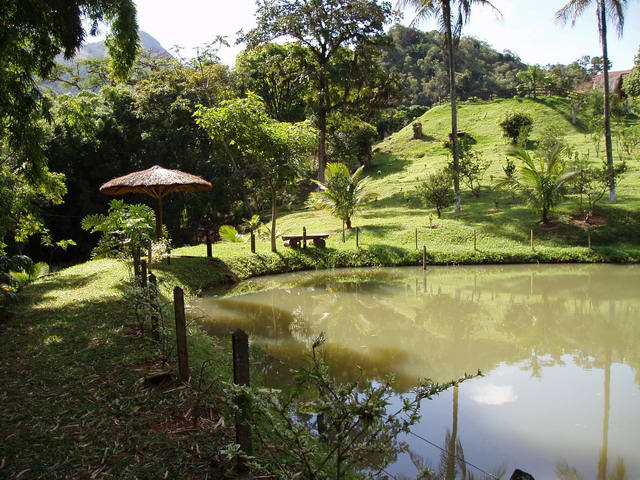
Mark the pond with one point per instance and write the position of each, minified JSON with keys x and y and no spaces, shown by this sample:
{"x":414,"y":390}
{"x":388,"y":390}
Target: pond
{"x":558,"y":345}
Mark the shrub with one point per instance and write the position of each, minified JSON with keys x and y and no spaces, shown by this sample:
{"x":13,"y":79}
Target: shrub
{"x":516,"y":126}
{"x":126,"y":229}
{"x":473,"y":166}
{"x":436,"y":191}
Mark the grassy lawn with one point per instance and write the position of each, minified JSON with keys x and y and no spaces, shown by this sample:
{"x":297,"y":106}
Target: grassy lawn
{"x":73,"y":401}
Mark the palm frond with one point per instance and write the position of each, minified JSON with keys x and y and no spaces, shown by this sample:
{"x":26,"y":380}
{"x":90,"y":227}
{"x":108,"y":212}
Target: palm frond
{"x":572,"y":10}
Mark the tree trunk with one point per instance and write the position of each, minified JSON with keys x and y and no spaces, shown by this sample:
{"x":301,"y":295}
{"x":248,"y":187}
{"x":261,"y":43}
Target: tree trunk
{"x":545,"y":215}
{"x":454,"y":109}
{"x":348,"y":222}
{"x":602,"y":20}
{"x":274,"y":212}
{"x":322,"y":124}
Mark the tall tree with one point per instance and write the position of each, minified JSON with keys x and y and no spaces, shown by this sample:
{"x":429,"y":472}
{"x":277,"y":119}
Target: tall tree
{"x":451,"y":15}
{"x":272,"y":152}
{"x":326,"y":28}
{"x":32,"y":34}
{"x":612,"y":10}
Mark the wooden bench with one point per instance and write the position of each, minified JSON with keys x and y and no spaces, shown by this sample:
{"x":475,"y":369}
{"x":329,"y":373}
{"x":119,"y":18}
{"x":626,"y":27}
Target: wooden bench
{"x":293,"y":241}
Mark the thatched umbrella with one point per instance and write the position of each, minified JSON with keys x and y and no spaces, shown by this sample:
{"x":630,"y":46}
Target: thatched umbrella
{"x":157,"y":182}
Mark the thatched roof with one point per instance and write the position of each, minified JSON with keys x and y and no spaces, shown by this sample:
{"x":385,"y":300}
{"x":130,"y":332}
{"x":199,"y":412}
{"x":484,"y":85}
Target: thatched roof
{"x":155,"y":181}
{"x":615,"y":81}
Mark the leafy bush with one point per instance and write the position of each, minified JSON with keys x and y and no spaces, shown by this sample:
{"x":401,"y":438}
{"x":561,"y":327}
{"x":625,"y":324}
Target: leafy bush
{"x":473,"y":166}
{"x":351,"y":141}
{"x":516,"y":126}
{"x":322,"y":428}
{"x":436,"y":191}
{"x":591,"y":182}
{"x":126,"y":229}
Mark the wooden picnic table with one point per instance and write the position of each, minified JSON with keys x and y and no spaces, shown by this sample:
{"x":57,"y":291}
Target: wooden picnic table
{"x":293,"y":241}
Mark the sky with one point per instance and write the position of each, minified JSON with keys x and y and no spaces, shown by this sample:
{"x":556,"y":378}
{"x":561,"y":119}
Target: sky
{"x":527,"y":27}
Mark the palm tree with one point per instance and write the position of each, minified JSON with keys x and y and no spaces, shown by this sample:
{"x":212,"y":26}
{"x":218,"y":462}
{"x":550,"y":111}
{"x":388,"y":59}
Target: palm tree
{"x":541,"y":178}
{"x":342,"y":194}
{"x":613,"y":10}
{"x":451,"y":15}
{"x":532,"y":80}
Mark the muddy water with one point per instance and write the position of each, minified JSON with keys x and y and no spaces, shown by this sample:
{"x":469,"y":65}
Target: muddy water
{"x":559,"y":347}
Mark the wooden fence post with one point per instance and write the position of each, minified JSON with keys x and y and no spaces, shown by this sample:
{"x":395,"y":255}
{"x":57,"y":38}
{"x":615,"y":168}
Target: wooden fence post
{"x":253,"y":241}
{"x":358,"y":237}
{"x":168,"y":256}
{"x":304,"y":237}
{"x":589,"y":237}
{"x":143,"y":273}
{"x":343,"y":237}
{"x":208,"y":241}
{"x":424,"y":257}
{"x":181,"y":335}
{"x":416,"y":238}
{"x":155,"y":320}
{"x":240,"y":343}
{"x":475,"y":240}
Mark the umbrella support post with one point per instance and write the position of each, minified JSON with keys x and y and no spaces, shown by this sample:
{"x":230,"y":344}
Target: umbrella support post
{"x":149,"y":253}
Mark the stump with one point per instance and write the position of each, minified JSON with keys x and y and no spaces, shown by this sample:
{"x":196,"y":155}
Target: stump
{"x":417,"y":131}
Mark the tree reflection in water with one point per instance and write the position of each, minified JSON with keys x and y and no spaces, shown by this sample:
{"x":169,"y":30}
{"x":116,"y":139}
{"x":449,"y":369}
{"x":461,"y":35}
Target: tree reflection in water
{"x":444,"y":324}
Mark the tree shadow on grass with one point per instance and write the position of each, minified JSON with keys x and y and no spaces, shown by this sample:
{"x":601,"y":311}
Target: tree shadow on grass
{"x":560,"y":107}
{"x":384,"y":164}
{"x":197,"y":273}
{"x":49,"y":287}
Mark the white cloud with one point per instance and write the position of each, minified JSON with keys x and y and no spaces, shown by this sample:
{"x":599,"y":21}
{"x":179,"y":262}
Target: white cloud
{"x":491,"y":394}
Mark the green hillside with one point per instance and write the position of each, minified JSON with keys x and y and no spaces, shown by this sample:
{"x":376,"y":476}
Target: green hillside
{"x":401,"y":161}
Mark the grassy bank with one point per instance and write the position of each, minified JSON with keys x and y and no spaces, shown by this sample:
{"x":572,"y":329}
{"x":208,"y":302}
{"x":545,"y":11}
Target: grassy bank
{"x":73,"y":401}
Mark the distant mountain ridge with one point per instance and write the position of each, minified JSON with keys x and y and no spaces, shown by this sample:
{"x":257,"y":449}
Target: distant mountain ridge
{"x":99,"y":49}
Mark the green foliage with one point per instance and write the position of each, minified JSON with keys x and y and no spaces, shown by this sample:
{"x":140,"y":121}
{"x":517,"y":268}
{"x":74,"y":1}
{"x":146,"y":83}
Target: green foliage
{"x":230,"y":234}
{"x":628,"y":142}
{"x":13,"y":276}
{"x":272,"y":153}
{"x":472,"y":168}
{"x":40,"y":32}
{"x":125,"y":229}
{"x":592,"y":182}
{"x":362,"y":424}
{"x":541,"y":179}
{"x":253,"y":224}
{"x":516,"y":126}
{"x":22,"y":200}
{"x":275,"y":73}
{"x":533,"y":81}
{"x":418,"y":58}
{"x":29,"y":273}
{"x":343,"y":193}
{"x":344,"y":75}
{"x":351,"y":141}
{"x":436,"y":191}
{"x":631,"y":82}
